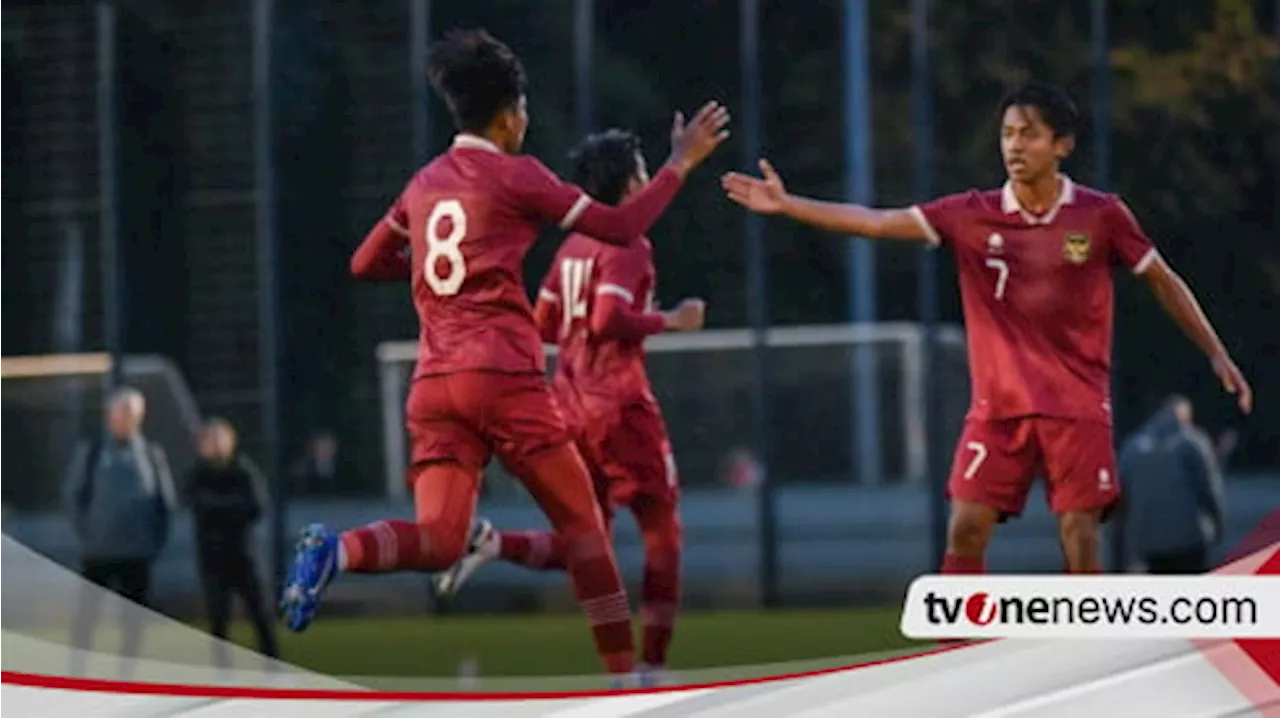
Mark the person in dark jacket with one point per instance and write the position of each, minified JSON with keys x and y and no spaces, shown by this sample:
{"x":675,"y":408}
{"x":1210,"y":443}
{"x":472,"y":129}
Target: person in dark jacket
{"x":227,"y":498}
{"x":1172,"y":510}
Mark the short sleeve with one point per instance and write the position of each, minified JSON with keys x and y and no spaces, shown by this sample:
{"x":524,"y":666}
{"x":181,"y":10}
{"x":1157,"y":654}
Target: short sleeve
{"x":624,"y":271}
{"x":939,"y":218}
{"x":397,"y":216}
{"x":1130,"y":246}
{"x":538,"y":192}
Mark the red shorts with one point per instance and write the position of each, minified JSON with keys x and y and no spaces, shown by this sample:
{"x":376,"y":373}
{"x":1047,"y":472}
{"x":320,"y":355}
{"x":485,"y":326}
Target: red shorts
{"x":996,"y":462}
{"x":628,"y":453}
{"x":469,"y":416}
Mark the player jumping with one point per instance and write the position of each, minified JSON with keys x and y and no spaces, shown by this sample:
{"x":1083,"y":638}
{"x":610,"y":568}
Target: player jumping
{"x":468,"y":218}
{"x":597,"y":303}
{"x":1034,"y":261}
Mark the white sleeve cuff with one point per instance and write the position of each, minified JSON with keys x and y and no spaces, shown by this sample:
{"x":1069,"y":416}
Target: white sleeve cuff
{"x":548,"y":295}
{"x":393,"y":224}
{"x":617,"y":292}
{"x":570,"y":217}
{"x":930,"y":233}
{"x":1147,"y":260}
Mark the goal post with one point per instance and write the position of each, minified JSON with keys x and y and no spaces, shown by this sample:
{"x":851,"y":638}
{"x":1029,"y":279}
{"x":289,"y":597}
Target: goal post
{"x":702,"y":380}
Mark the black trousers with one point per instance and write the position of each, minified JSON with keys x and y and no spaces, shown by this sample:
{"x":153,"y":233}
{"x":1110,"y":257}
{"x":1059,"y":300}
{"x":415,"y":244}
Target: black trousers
{"x":131,"y":580}
{"x":227,"y":573}
{"x":1187,"y":561}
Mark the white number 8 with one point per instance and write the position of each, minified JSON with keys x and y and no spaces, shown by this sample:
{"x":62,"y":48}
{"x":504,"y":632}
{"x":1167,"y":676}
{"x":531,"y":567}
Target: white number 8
{"x":448,"y":247}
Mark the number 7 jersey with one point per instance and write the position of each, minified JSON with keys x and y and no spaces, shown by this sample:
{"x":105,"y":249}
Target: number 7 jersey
{"x":1037,"y":295}
{"x":469,"y":218}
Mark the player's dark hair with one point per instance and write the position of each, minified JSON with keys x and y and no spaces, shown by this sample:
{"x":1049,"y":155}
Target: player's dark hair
{"x":604,"y":163}
{"x":477,"y":76}
{"x":1052,"y":103}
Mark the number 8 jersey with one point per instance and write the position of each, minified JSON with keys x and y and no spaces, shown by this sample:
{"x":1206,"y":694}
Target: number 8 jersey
{"x":1037,"y":296}
{"x":469,"y":218}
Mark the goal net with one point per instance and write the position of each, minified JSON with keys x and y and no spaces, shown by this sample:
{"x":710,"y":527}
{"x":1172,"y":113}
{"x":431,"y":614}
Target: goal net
{"x":52,"y":402}
{"x":845,"y":402}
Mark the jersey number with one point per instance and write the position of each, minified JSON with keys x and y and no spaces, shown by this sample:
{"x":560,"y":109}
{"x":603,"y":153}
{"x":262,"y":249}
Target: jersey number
{"x":979,"y":450}
{"x":1002,"y":274}
{"x":448,"y":248}
{"x":575,"y":276}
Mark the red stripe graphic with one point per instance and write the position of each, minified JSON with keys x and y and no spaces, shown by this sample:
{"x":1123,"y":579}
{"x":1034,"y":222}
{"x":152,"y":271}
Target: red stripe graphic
{"x":35,"y":680}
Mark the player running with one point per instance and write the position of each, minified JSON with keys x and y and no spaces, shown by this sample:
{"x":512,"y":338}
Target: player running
{"x":1035,"y":261}
{"x":467,"y":219}
{"x":597,"y":303}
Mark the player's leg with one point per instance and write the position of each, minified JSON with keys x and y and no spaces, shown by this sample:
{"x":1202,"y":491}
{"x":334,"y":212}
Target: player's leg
{"x":559,"y":482}
{"x":448,"y":455}
{"x":1082,"y":486}
{"x":530,"y":433}
{"x":532,"y":549}
{"x":663,"y":536}
{"x":990,"y":477}
{"x":640,"y":472}
{"x":445,"y":495}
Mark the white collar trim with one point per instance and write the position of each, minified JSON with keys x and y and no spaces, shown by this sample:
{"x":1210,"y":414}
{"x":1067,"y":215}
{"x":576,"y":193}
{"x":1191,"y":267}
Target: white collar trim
{"x":474,"y":142}
{"x":1010,"y":204}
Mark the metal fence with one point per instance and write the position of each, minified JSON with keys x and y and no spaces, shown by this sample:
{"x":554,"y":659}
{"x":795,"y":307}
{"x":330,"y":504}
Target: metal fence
{"x":188,"y":180}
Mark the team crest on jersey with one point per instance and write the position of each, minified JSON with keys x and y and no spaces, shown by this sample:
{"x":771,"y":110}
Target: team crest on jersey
{"x":1076,"y":247}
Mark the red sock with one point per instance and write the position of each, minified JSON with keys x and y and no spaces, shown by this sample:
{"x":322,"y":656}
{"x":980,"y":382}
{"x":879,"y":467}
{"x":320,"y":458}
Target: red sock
{"x":953,"y":564}
{"x":387,"y":546}
{"x":538,"y":550}
{"x":598,"y":588}
{"x":660,"y":591}
{"x":559,"y":481}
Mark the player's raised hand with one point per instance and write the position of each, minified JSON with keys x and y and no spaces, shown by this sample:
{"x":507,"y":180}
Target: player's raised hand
{"x":688,"y":316}
{"x":764,"y":195}
{"x":693,"y":141}
{"x":1233,"y":381}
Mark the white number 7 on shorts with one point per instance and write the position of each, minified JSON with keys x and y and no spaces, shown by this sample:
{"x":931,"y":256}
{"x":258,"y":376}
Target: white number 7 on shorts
{"x":979,"y":450}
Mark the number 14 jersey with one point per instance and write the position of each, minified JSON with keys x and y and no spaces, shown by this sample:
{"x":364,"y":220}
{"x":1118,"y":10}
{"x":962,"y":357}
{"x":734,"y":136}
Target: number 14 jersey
{"x":1037,"y":296}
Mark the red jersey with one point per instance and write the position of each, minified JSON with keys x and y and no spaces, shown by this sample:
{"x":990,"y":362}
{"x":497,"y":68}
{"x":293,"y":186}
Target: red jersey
{"x":603,"y":296}
{"x":469,"y":218}
{"x":1037,"y":296}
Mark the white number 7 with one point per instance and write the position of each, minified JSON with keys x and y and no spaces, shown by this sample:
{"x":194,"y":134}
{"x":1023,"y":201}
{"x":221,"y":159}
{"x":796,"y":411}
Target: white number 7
{"x":979,"y":450}
{"x":1002,"y":276}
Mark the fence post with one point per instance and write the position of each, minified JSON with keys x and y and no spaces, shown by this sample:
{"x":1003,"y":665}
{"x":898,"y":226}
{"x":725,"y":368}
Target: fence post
{"x":860,"y":269}
{"x":114,"y":297}
{"x":266,"y":229}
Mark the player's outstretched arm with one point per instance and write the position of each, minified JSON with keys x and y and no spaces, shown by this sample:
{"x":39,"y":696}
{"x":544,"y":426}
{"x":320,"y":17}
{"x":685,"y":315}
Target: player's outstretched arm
{"x":1180,"y":303}
{"x":768,"y":195}
{"x":573,"y":209}
{"x":381,"y":257}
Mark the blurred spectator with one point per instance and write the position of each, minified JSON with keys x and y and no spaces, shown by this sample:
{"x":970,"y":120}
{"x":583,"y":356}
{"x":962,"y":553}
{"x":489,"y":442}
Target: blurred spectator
{"x":227,"y":496}
{"x":741,"y":470}
{"x":120,"y":493}
{"x":1172,"y":508}
{"x":322,"y":469}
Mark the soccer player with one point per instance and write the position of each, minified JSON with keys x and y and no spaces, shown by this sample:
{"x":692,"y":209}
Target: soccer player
{"x":1034,"y":260}
{"x":467,"y":220}
{"x":597,"y":304}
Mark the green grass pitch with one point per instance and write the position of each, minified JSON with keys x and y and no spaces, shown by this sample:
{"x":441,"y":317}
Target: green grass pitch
{"x":559,"y":644}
